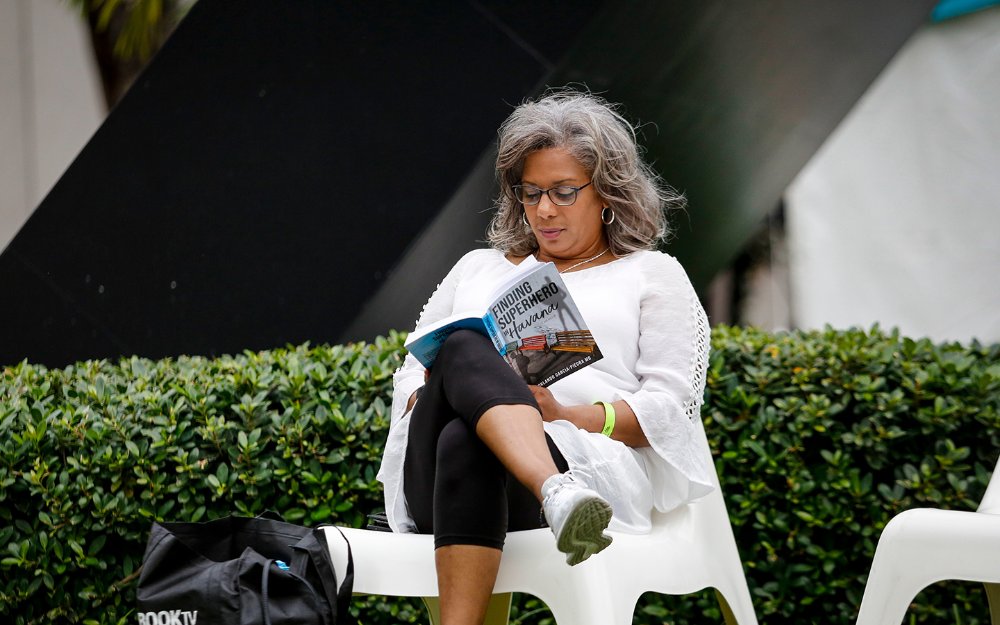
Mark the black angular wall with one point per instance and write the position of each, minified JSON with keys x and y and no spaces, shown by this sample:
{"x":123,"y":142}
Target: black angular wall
{"x":309,"y":169}
{"x":266,"y":172}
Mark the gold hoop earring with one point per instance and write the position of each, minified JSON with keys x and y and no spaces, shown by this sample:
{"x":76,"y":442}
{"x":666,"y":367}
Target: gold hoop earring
{"x":605,"y":220}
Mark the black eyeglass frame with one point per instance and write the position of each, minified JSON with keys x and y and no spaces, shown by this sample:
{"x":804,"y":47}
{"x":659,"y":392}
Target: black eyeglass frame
{"x":576,"y":192}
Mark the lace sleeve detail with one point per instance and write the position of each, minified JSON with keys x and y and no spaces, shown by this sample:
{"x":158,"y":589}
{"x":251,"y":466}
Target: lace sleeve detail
{"x":699,"y":359}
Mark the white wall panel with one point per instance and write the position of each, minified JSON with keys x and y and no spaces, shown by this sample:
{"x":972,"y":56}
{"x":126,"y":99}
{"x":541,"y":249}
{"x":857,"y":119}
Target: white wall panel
{"x":50,"y":102}
{"x":896,"y":220}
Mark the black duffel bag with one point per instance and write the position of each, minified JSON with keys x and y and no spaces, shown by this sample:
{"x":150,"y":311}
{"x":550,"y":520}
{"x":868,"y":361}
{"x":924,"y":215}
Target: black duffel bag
{"x":241,"y":571}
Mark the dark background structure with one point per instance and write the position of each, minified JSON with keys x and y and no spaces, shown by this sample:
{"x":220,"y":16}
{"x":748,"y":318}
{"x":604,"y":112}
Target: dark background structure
{"x":308,"y":170}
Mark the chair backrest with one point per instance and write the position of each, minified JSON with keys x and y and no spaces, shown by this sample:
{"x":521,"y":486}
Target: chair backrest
{"x":710,"y":519}
{"x":991,"y":499}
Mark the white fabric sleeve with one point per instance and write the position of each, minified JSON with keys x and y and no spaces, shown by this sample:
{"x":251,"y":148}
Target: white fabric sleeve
{"x":671,"y":367}
{"x":408,"y":378}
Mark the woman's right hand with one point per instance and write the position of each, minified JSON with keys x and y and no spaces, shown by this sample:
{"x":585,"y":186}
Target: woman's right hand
{"x":550,"y":408}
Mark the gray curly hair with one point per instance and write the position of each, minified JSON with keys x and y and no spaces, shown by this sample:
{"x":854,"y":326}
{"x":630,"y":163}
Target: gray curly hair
{"x":604,"y":142}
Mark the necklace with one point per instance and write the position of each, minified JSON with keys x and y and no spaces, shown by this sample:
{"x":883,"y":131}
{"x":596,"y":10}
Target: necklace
{"x":582,"y":262}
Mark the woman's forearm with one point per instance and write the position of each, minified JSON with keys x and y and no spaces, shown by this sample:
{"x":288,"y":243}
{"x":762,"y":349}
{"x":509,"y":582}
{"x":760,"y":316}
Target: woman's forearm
{"x":591,"y":417}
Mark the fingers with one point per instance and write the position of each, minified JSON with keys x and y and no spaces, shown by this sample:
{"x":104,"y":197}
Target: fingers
{"x":539,"y":391}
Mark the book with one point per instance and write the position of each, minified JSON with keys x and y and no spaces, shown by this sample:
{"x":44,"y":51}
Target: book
{"x":532,"y":321}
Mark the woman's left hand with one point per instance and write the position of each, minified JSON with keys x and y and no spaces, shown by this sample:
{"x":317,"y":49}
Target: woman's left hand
{"x":551,"y":409}
{"x":590,"y":417}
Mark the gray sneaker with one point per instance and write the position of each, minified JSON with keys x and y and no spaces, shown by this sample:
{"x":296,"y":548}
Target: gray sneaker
{"x":577,"y":515}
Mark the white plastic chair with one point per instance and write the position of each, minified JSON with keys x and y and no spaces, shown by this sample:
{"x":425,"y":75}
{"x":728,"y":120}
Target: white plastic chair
{"x":926,"y":545}
{"x":689,"y":549}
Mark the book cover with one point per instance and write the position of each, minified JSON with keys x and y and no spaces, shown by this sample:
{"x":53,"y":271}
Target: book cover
{"x":533,"y":323}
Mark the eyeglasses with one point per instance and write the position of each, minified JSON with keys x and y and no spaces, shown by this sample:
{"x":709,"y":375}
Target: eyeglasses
{"x":563,"y":195}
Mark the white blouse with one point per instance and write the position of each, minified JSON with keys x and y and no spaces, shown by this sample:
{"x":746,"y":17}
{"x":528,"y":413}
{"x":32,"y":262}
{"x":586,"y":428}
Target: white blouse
{"x":654,"y":338}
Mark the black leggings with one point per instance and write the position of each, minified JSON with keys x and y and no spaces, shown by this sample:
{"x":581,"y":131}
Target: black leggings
{"x":455,"y":487}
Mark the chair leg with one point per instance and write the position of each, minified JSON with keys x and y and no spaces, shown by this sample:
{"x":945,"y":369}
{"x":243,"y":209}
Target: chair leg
{"x":743,"y":614}
{"x":886,"y":600}
{"x":727,"y":612}
{"x":433,"y":605}
{"x":993,"y":598}
{"x":592,"y":609}
{"x":497,"y":613}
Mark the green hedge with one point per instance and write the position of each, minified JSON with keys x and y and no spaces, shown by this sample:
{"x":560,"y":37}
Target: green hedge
{"x":822,"y":437}
{"x":819,"y":439}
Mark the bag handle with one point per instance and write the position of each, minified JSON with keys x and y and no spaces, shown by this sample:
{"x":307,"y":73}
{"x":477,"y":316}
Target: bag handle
{"x":265,"y":602}
{"x":315,"y":547}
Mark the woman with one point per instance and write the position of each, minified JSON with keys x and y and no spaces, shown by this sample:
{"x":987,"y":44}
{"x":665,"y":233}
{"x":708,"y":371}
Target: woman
{"x":474,"y":452}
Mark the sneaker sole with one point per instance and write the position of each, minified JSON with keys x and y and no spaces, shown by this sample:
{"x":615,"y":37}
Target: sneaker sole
{"x":583,"y":533}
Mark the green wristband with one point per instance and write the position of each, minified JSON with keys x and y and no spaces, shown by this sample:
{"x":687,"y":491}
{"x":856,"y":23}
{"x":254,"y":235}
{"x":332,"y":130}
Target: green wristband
{"x":609,"y":418}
